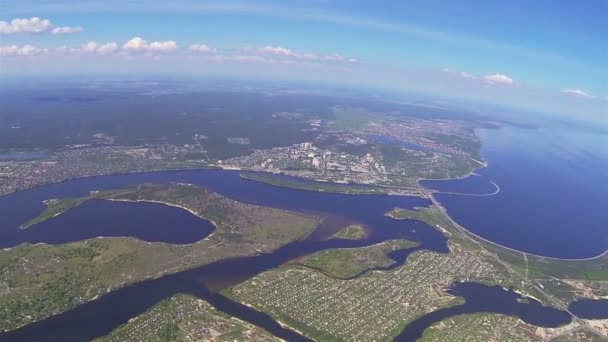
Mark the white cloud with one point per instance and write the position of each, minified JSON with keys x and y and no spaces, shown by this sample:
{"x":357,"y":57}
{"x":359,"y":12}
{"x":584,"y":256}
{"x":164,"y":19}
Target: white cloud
{"x":93,"y":47}
{"x":277,"y":50}
{"x":107,"y":48}
{"x":89,"y":47}
{"x":167,"y":46}
{"x":467,"y":75}
{"x":25,"y":50}
{"x":32,"y":25}
{"x":202,"y":48}
{"x":578,"y":93}
{"x":282,"y":52}
{"x":460,"y":74}
{"x":137,"y":44}
{"x":498,"y":79}
{"x":67,"y":29}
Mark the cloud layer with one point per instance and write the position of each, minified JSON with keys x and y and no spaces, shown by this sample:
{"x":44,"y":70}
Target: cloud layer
{"x":34,"y":25}
{"x":204,"y":48}
{"x":66,"y":30}
{"x":578,"y":93}
{"x":25,"y":50}
{"x":138,"y":44}
{"x":282,"y":52}
{"x":498,"y":79}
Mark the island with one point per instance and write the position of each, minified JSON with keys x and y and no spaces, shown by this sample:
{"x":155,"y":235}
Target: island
{"x":41,"y":280}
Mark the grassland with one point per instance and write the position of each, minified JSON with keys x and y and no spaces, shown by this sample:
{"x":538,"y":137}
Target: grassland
{"x":303,"y":184}
{"x":54,"y":207}
{"x":351,"y":232}
{"x":186,"y":318}
{"x":37,"y":281}
{"x":421,"y":214}
{"x":349,"y":262}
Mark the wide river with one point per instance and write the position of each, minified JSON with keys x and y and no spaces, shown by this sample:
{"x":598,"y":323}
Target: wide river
{"x":100,"y":218}
{"x":553,"y":192}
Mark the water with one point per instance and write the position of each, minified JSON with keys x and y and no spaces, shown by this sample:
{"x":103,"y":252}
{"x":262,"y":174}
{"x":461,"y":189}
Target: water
{"x":590,"y":308}
{"x":18,"y":155}
{"x":553,"y":194}
{"x":481,"y":298}
{"x":153,"y":222}
{"x":101,"y":316}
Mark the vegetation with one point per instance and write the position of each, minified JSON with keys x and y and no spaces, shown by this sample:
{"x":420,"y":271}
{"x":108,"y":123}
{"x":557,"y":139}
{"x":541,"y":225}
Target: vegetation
{"x":37,"y":281}
{"x":431,"y":215}
{"x":350,"y":262}
{"x":186,"y":318}
{"x":54,"y":207}
{"x":305,"y":184}
{"x":374,"y":306}
{"x":351,"y":232}
{"x":482,"y":327}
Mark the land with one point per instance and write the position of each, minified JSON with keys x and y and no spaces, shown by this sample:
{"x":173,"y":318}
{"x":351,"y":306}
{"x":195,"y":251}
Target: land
{"x":355,"y":148}
{"x":378,"y":304}
{"x":325,"y":186}
{"x":54,"y":207}
{"x":351,"y":232}
{"x":186,"y":318}
{"x":495,"y":327}
{"x":388,"y":150}
{"x":420,"y":214}
{"x":374,"y":306}
{"x":37,"y":281}
{"x":350,"y":262}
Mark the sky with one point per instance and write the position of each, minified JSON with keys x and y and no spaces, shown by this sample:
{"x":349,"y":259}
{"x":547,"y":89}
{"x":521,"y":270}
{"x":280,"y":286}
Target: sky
{"x":550,"y":56}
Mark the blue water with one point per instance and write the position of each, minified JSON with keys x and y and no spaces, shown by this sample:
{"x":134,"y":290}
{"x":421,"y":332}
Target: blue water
{"x":590,"y":308}
{"x":17,"y":155}
{"x":482,"y":298}
{"x":152,"y":222}
{"x":553,"y":191}
{"x":99,"y":317}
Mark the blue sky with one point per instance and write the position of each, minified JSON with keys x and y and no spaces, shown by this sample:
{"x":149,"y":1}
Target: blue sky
{"x":546,"y":55}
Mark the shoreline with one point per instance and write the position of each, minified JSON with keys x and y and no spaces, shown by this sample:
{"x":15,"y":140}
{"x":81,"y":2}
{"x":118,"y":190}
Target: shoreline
{"x":495,"y":244}
{"x":428,"y":194}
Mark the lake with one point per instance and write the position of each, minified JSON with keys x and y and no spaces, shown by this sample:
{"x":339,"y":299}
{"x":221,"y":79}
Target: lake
{"x":553,"y":194}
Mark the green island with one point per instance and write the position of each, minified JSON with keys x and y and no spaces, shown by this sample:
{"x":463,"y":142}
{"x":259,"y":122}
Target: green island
{"x":40,"y":280}
{"x":304,"y":184}
{"x":351,"y":232}
{"x":186,"y":318}
{"x":419,"y":213}
{"x":349,"y":262}
{"x":54,"y":207}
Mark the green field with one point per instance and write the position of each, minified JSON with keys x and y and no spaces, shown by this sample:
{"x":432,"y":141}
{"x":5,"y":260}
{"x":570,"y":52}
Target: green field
{"x":352,"y":232}
{"x":303,"y":184}
{"x":54,"y":207}
{"x":349,"y":262}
